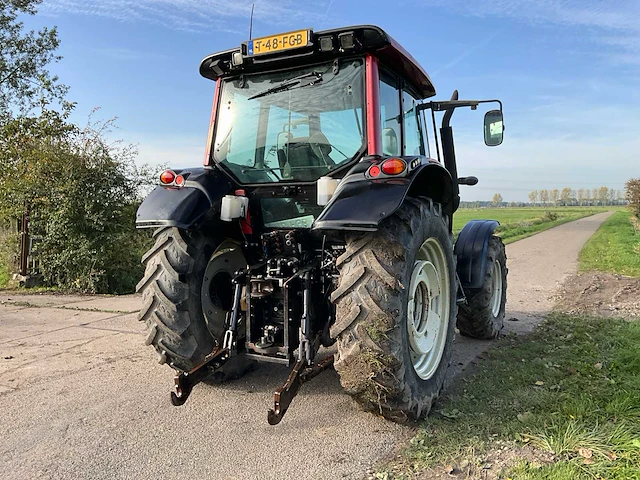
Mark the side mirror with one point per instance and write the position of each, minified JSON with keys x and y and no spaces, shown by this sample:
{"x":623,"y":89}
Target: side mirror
{"x":493,"y":128}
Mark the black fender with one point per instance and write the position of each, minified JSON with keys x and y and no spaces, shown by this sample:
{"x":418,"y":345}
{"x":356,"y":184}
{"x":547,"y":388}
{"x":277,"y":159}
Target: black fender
{"x":185,"y":206}
{"x":360,"y":203}
{"x":471,"y":251}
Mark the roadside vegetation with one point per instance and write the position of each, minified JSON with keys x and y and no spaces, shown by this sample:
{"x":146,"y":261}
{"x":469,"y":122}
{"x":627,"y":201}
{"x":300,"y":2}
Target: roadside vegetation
{"x":519,"y":223}
{"x":79,"y":189}
{"x":559,"y":404}
{"x":615,"y":247}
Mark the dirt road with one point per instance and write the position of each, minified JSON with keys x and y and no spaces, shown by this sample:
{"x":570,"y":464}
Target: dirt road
{"x":81,"y":397}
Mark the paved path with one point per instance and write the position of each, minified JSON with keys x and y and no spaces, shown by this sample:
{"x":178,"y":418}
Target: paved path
{"x":82,"y":398}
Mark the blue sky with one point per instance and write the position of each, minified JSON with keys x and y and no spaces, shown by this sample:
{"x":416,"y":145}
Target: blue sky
{"x":568,"y":72}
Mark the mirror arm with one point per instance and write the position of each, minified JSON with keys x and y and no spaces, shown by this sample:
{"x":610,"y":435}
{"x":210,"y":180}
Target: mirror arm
{"x":451,"y":104}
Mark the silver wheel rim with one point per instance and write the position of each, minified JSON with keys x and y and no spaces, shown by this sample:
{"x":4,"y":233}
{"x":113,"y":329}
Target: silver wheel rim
{"x":496,"y":289}
{"x":428,"y":308}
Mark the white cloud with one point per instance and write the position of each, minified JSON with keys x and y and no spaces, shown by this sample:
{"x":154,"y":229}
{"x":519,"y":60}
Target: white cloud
{"x":611,"y":14}
{"x":616,"y":21}
{"x":193,"y":15}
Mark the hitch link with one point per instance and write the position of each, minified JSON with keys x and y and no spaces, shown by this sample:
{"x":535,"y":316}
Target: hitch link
{"x":185,"y":381}
{"x":229,"y":340}
{"x":285,"y":394}
{"x":306,"y":354}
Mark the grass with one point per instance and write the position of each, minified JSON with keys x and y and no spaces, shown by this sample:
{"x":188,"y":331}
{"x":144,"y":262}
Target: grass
{"x":517,"y":223}
{"x":614,"y":248}
{"x":568,"y":391}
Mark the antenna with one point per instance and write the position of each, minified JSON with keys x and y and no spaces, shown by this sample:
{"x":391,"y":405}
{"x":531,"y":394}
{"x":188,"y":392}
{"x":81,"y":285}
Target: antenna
{"x":251,"y":21}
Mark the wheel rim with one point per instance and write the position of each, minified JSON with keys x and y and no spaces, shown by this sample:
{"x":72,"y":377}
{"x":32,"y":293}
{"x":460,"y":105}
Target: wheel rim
{"x":428,"y":308}
{"x":496,"y":289}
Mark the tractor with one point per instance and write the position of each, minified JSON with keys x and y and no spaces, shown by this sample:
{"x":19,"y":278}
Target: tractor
{"x":319,"y":231}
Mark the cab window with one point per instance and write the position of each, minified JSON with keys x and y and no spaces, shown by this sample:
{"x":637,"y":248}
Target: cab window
{"x":390,"y":115}
{"x":413,"y":139}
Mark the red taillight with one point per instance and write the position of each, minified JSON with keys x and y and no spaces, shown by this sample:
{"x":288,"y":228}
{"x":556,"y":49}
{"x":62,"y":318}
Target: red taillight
{"x":179,"y":181}
{"x":374,"y":171}
{"x":393,"y":166}
{"x":167,"y":177}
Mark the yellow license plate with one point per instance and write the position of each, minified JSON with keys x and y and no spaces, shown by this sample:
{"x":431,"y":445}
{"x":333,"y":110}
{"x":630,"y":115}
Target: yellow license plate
{"x":278,"y":43}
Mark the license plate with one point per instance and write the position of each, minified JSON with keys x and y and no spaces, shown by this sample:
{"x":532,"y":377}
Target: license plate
{"x":278,"y":43}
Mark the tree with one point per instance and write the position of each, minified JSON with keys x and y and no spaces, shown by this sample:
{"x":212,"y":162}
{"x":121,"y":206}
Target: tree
{"x":497,"y":200}
{"x":603,"y":195}
{"x":533,"y":196}
{"x":594,"y":196}
{"x":555,"y":194}
{"x":25,"y":80}
{"x":581,"y":196}
{"x":544,"y":196}
{"x":565,"y":196}
{"x":632,"y":190}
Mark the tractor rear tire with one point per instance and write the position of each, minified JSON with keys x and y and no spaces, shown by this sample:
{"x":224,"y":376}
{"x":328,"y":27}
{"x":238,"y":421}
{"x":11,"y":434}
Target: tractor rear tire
{"x":397,"y":294}
{"x":483,"y":314}
{"x":172,"y":302}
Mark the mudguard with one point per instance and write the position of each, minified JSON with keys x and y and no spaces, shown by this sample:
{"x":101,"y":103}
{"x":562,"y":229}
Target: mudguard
{"x":360,"y":203}
{"x":185,"y":206}
{"x":471,"y":251}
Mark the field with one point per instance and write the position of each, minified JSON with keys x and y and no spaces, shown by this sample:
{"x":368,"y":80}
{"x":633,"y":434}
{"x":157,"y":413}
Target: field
{"x":614,"y":248}
{"x":517,"y":223}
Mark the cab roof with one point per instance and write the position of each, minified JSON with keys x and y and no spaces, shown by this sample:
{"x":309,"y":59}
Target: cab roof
{"x":366,"y":39}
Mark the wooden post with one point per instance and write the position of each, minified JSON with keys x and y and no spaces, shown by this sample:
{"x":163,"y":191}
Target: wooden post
{"x":24,"y":242}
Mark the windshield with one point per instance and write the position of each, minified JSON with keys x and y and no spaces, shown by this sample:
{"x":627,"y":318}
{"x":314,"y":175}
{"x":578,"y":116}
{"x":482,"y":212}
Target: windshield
{"x":296,"y":125}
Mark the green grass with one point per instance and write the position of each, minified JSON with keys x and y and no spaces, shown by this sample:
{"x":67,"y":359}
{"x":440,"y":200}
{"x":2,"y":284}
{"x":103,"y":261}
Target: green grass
{"x":569,"y":389}
{"x":614,"y":248}
{"x":517,"y":223}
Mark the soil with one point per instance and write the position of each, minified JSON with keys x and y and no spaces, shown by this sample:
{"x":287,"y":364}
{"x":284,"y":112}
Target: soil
{"x":492,"y":465}
{"x":600,"y":294}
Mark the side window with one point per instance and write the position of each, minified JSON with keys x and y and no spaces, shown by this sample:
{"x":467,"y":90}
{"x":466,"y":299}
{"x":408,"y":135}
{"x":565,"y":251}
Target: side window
{"x":413,"y":138}
{"x":390,"y":115}
{"x":425,"y":132}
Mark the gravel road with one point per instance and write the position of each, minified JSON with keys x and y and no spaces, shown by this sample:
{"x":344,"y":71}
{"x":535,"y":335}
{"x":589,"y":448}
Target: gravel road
{"x":82,"y":398}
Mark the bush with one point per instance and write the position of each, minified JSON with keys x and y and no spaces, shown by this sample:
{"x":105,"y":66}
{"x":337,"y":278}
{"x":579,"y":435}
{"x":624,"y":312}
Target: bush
{"x":549,"y":216}
{"x":83,"y":193}
{"x":632,"y":188}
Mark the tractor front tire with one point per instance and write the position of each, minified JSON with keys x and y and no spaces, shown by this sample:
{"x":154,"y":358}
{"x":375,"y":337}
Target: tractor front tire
{"x":483,"y":314}
{"x":395,"y":312}
{"x":172,"y":302}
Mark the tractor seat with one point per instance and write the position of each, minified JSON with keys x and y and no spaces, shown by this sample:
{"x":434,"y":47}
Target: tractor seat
{"x":304,"y":161}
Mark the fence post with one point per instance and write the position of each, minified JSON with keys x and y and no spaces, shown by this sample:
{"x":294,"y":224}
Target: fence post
{"x":24,"y":242}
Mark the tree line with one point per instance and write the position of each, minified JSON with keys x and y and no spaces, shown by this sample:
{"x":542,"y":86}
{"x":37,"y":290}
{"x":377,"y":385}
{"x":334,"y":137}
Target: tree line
{"x":583,"y":197}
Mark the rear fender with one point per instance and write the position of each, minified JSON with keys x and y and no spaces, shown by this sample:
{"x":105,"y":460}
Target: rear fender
{"x":361,"y":203}
{"x":185,"y":206}
{"x":471,"y":251}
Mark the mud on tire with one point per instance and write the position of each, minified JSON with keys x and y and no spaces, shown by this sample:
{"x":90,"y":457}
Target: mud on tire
{"x":172,"y":303}
{"x":483,"y":314}
{"x":372,"y":298}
